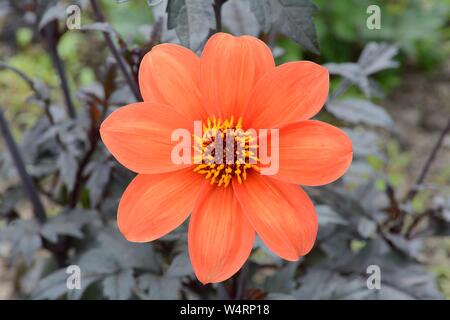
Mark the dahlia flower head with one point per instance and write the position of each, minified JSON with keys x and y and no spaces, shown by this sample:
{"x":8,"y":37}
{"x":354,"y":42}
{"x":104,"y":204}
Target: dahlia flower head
{"x":225,"y":179}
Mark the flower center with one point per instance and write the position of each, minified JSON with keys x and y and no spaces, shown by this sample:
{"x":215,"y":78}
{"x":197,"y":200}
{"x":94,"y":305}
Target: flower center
{"x":224,"y":150}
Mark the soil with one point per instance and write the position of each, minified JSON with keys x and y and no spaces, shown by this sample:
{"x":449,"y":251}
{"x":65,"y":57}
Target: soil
{"x":420,"y":107}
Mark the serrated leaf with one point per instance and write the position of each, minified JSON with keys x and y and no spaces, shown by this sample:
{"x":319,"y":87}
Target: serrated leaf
{"x":411,"y":247}
{"x":282,"y":280}
{"x":24,"y":239}
{"x":262,"y":9}
{"x":29,"y":281}
{"x":359,"y":173}
{"x":56,"y":12}
{"x":328,"y":284}
{"x":9,"y":199}
{"x":296,"y":21}
{"x":100,"y":26}
{"x":154,"y":287}
{"x":409,"y":281}
{"x":68,"y":166}
{"x":66,"y":224}
{"x":443,"y":203}
{"x":97,"y":261}
{"x":237,"y":17}
{"x":352,"y":72}
{"x":192,"y":21}
{"x":126,"y":254}
{"x":366,"y":227}
{"x":52,"y":286}
{"x":97,"y":182}
{"x":327,"y":216}
{"x":360,"y":111}
{"x":180,"y":266}
{"x":262,"y":255}
{"x":119,"y":286}
{"x":364,"y":142}
{"x":377,"y":57}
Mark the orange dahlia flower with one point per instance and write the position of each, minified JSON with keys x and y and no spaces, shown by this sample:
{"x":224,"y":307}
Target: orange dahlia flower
{"x":234,"y":84}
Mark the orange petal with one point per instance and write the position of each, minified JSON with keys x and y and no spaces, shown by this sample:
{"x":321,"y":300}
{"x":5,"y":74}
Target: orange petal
{"x":281,"y":213}
{"x":293,"y":91}
{"x":153,"y":205}
{"x":220,"y":237}
{"x":139,"y":136}
{"x":313,"y":153}
{"x":230,"y":68}
{"x":170,"y":74}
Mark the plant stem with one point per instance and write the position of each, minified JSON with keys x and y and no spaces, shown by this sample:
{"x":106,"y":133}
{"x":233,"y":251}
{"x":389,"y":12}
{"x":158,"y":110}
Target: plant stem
{"x":417,"y":220}
{"x":119,"y":58}
{"x":93,"y":137}
{"x":423,"y":173}
{"x":21,"y":74}
{"x":27,"y":182}
{"x":241,"y":281}
{"x":217,"y":5}
{"x":51,"y":36}
{"x":222,"y":291}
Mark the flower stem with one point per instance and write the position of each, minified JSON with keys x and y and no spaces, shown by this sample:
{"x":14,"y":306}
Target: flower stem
{"x":423,"y":173}
{"x":51,"y":35}
{"x":117,"y":55}
{"x":217,"y":5}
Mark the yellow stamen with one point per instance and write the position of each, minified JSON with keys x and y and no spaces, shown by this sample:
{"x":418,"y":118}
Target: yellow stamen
{"x":215,"y":132}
